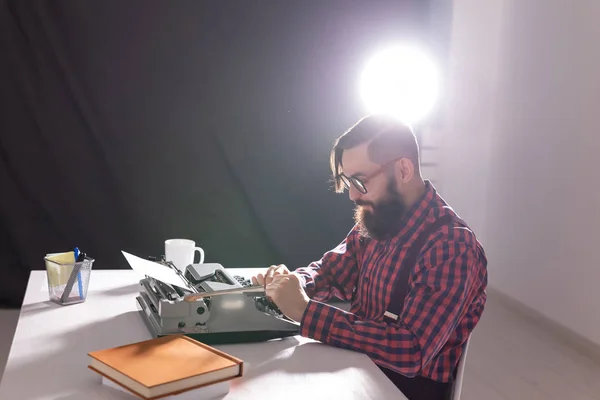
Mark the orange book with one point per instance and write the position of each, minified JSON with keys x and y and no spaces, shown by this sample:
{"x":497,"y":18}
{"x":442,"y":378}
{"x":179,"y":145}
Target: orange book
{"x":165,"y":366}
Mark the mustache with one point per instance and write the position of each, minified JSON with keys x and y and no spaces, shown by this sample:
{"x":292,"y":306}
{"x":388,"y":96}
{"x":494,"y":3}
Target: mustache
{"x":364,"y":203}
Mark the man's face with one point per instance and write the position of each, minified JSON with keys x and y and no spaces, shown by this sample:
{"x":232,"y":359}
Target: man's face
{"x":377,"y":212}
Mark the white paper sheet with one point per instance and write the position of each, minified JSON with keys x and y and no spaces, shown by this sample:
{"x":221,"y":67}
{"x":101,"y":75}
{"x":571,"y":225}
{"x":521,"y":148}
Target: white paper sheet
{"x":213,"y":391}
{"x":155,"y":270}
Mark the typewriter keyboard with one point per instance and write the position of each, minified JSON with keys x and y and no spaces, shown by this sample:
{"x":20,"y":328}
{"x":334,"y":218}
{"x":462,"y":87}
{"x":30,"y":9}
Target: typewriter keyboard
{"x":243,"y":281}
{"x":262,"y":302}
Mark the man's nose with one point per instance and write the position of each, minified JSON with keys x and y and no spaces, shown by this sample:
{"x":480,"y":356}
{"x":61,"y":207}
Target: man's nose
{"x":354,"y":194}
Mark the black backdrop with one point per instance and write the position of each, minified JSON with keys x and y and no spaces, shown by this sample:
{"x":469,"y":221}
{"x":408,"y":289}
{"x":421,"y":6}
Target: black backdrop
{"x":125,"y":123}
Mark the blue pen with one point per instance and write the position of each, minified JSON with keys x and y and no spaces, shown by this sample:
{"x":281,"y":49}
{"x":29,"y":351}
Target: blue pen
{"x":79,"y":284}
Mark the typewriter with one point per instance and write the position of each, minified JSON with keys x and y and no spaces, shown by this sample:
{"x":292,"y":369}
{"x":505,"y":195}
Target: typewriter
{"x":211,"y":305}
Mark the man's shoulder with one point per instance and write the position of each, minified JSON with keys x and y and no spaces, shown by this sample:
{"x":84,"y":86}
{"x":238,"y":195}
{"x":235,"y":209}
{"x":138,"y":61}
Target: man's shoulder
{"x":452,"y":229}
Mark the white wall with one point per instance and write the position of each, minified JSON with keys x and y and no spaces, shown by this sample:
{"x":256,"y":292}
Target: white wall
{"x":518,"y":150}
{"x":471,"y":97}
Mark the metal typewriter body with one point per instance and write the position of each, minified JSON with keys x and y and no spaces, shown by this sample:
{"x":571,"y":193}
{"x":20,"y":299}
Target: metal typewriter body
{"x":216,"y":318}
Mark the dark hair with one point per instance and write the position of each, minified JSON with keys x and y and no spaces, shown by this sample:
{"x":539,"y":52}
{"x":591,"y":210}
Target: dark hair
{"x":389,"y":138}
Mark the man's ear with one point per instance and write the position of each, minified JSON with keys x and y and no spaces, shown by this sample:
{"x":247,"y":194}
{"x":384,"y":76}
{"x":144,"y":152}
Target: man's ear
{"x":404,"y":170}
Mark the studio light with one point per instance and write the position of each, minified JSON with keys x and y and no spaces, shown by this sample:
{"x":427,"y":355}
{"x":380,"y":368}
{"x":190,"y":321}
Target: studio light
{"x":402,"y":81}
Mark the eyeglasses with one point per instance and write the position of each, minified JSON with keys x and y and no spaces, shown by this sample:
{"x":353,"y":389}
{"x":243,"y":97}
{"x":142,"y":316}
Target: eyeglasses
{"x":360,"y":184}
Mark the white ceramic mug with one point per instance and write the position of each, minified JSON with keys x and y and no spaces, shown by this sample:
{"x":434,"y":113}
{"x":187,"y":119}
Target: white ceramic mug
{"x":181,"y":252}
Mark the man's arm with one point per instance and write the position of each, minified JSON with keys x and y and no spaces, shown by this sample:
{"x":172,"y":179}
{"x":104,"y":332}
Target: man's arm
{"x":438,"y":298}
{"x":335,"y":274}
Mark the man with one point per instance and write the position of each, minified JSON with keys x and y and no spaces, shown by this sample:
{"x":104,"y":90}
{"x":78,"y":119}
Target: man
{"x":414,"y":273}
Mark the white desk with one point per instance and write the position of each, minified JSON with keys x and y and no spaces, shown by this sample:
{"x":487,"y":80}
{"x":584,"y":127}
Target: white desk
{"x":48,"y":358}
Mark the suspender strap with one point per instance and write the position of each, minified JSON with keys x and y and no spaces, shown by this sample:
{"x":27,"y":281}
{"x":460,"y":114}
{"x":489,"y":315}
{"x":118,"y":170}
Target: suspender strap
{"x":401,"y":286}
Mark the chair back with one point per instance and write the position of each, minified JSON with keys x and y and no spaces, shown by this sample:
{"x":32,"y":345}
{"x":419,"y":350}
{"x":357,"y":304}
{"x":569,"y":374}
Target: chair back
{"x":460,"y":373}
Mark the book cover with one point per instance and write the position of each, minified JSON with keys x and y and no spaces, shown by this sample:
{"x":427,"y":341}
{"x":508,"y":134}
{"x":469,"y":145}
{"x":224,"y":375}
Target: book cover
{"x":165,"y":366}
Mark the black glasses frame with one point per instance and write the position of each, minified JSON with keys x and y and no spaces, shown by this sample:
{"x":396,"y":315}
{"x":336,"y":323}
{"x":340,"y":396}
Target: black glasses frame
{"x":360,"y":184}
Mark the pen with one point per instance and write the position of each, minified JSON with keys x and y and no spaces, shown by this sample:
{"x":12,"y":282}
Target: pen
{"x":78,"y":258}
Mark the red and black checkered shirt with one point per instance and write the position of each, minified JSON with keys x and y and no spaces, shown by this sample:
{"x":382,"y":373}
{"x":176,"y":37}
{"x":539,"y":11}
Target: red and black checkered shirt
{"x":444,"y":301}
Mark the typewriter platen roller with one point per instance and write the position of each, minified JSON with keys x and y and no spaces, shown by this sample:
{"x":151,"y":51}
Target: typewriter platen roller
{"x":220,"y":310}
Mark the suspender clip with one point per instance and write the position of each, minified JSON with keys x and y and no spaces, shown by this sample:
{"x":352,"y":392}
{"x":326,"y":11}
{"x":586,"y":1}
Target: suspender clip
{"x":390,"y":315}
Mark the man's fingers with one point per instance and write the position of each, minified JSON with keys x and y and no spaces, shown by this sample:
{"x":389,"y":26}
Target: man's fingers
{"x":274,"y":286}
{"x":259,"y":279}
{"x":269,"y":275}
{"x":273,"y":271}
{"x":278,"y":280}
{"x":282,"y":270}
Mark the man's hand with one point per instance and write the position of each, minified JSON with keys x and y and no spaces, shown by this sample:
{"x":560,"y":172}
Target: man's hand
{"x":289,"y":295}
{"x":273,"y":271}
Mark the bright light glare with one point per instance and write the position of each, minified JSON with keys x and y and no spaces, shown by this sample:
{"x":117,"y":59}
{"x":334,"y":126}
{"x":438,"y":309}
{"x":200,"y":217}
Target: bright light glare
{"x":401,"y":81}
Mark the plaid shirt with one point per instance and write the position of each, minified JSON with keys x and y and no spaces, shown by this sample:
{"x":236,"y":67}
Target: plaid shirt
{"x":444,"y":301}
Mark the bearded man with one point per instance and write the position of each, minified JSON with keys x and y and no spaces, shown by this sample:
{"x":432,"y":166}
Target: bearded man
{"x":414,"y":273}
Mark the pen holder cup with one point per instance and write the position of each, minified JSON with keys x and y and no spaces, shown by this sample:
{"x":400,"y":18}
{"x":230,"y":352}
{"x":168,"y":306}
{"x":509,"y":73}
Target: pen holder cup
{"x":68,"y":282}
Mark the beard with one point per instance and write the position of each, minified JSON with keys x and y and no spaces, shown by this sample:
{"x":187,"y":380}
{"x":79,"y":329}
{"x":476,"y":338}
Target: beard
{"x":383,"y":220}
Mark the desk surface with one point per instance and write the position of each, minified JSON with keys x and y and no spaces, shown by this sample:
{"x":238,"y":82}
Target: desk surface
{"x":48,"y":358}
